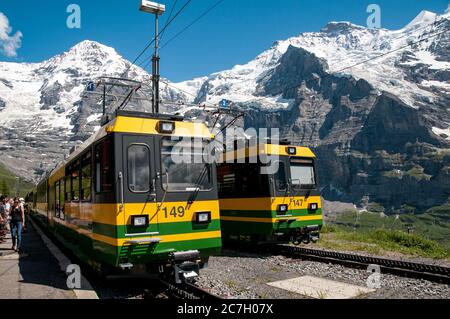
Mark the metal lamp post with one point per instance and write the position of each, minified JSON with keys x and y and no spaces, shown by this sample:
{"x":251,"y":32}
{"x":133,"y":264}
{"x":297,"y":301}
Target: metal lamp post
{"x":156,"y":9}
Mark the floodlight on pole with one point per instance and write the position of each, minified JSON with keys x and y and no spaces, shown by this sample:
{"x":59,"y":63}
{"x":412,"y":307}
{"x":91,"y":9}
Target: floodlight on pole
{"x":152,"y":7}
{"x":156,"y":9}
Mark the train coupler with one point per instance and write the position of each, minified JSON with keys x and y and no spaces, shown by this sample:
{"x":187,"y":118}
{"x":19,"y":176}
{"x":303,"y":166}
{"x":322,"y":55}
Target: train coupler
{"x":306,"y":235}
{"x":186,"y":265}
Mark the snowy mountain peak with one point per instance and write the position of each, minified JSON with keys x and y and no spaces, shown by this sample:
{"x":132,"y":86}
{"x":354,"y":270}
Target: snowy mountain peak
{"x":355,"y":50}
{"x":84,"y":56}
{"x":340,"y":27}
{"x":88,"y":46}
{"x":423,"y":18}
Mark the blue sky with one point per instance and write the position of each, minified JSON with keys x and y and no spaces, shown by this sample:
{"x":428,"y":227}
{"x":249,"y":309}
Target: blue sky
{"x":234,"y":33}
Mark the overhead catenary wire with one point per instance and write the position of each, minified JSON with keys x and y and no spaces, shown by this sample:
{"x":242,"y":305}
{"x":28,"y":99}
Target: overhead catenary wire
{"x":192,"y":23}
{"x":162,"y":31}
{"x":146,"y":63}
{"x":153,"y":41}
{"x":168,"y":18}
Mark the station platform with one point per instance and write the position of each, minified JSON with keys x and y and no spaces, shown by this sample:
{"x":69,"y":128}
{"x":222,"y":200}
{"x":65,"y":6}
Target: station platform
{"x":32,"y":274}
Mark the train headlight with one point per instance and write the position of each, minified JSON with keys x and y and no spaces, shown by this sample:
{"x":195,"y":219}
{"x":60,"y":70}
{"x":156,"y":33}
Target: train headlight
{"x":313,"y":206}
{"x":291,"y":150}
{"x":166,"y":127}
{"x":203,"y":217}
{"x":282,"y":209}
{"x":139,"y":221}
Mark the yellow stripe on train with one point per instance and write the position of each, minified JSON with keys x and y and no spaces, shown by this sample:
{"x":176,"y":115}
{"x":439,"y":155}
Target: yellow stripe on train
{"x":271,"y":220}
{"x":267,"y":203}
{"x":112,"y":214}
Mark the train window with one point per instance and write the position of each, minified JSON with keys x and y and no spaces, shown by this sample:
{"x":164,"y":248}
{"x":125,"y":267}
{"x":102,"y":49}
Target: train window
{"x":86,"y":177}
{"x":280,"y":177}
{"x":57,"y":201}
{"x":62,"y":198}
{"x":253,"y":183}
{"x":75,"y":177}
{"x":184,"y":164}
{"x":302,"y":172}
{"x":103,"y":164}
{"x":67,"y":188}
{"x":139,"y":168}
{"x":226,"y":178}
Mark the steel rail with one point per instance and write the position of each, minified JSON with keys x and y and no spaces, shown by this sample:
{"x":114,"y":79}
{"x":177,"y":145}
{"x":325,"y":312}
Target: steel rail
{"x":187,"y":291}
{"x":417,"y":270}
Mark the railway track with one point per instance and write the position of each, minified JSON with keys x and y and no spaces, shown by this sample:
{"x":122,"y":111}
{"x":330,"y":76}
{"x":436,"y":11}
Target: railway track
{"x":187,"y":291}
{"x":397,"y":267}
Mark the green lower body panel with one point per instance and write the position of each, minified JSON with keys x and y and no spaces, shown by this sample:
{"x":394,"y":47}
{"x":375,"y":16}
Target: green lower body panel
{"x":260,"y":225}
{"x":101,"y":255}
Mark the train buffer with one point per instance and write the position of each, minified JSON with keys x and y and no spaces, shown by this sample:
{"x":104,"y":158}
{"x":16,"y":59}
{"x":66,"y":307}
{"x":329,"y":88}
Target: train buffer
{"x":32,"y":274}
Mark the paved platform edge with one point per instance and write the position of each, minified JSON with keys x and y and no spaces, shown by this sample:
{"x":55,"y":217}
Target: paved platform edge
{"x":88,"y":292}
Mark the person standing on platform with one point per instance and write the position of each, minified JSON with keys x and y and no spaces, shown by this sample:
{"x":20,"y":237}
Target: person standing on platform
{"x":17,"y":220}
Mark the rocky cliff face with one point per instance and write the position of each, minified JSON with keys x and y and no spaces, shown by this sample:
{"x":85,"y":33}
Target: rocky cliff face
{"x":369,"y":143}
{"x":381,"y":129}
{"x":373,"y":104}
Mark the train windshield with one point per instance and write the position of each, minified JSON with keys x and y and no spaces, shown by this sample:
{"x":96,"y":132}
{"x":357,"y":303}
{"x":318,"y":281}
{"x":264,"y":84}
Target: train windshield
{"x":184,"y":164}
{"x":302,"y":173}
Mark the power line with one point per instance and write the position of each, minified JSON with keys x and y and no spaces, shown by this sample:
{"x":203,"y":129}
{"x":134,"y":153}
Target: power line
{"x":147,"y":61}
{"x":188,"y":93}
{"x":154,"y":39}
{"x":390,"y":52}
{"x":163,"y":30}
{"x":192,"y":23}
{"x":168,"y":18}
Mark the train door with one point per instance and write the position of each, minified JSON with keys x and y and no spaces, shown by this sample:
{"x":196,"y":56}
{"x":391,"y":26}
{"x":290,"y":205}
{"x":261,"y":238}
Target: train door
{"x":138,"y":191}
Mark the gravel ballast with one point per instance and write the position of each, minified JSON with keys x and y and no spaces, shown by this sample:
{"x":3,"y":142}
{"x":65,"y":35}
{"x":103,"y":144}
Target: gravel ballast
{"x":245,"y":275}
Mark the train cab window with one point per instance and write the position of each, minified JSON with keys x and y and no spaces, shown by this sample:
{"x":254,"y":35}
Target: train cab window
{"x":103,"y":167}
{"x":86,"y":177}
{"x":139,"y":168}
{"x":280,"y":177}
{"x":75,"y":178}
{"x":184,"y":166}
{"x":302,"y":173}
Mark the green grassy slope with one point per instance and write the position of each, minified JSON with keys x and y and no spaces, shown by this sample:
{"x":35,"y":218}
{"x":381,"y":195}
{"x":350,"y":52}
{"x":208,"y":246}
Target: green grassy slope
{"x":425,"y":235}
{"x":9,"y":178}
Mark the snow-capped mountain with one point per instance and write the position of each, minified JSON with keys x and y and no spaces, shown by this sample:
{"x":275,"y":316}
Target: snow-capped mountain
{"x":345,"y":47}
{"x":43,"y":111}
{"x":373,"y":103}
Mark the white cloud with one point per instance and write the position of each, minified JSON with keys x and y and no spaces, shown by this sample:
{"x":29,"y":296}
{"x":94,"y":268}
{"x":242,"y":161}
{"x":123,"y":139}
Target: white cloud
{"x":9,"y":44}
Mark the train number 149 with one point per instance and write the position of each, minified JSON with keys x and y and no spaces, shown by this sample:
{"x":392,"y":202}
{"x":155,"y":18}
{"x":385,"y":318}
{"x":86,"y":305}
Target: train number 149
{"x":174,"y":211}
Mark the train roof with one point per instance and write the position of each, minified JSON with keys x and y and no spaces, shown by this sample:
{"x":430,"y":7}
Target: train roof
{"x":147,"y":123}
{"x":138,"y":123}
{"x":269,"y":149}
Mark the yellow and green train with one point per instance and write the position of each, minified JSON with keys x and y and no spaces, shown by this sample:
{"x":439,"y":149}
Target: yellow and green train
{"x":279,"y":205}
{"x":121,"y":202}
